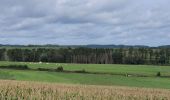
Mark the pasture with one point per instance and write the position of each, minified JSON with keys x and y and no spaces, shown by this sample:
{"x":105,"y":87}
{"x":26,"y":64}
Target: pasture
{"x":91,"y":79}
{"x":105,"y":68}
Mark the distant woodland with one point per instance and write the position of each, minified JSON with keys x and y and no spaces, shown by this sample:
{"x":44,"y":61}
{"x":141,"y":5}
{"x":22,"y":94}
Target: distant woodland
{"x":131,"y":55}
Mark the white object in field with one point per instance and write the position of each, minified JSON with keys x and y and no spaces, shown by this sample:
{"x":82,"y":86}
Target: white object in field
{"x":40,"y":62}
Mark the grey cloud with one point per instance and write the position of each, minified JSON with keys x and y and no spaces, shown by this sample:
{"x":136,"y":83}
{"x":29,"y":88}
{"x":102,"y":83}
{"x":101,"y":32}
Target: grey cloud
{"x":85,"y":22}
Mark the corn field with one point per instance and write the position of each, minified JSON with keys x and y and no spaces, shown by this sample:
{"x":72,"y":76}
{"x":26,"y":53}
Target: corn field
{"x":22,"y":90}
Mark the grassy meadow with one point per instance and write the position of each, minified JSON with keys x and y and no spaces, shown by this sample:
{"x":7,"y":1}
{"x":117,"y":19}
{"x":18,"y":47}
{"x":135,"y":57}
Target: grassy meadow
{"x":106,"y":68}
{"x":91,"y":79}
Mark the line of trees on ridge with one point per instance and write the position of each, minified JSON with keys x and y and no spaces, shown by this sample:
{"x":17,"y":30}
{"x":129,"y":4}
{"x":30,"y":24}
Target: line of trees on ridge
{"x":89,"y":55}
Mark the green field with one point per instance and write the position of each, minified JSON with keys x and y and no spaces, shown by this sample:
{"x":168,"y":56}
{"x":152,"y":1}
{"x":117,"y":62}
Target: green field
{"x":107,"y":68}
{"x":91,"y":79}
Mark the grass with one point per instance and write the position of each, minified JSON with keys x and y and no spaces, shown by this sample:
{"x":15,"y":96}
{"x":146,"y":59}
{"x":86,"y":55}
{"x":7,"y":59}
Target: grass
{"x":91,"y":79}
{"x":88,"y":79}
{"x":17,"y":90}
{"x":5,"y":75}
{"x":106,"y":68}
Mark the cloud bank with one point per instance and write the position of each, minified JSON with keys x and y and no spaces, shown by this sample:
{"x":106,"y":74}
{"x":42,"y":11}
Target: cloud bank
{"x":132,"y":22}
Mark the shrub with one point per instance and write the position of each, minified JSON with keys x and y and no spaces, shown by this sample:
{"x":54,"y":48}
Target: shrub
{"x":81,"y":71}
{"x":158,"y":74}
{"x":60,"y":69}
{"x":18,"y":67}
{"x":43,"y":69}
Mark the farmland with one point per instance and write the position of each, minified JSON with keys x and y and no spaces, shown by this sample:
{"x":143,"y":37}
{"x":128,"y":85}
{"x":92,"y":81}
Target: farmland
{"x":96,"y":82}
{"x":45,"y":91}
{"x":91,"y":79}
{"x":107,"y":68}
{"x":84,"y":50}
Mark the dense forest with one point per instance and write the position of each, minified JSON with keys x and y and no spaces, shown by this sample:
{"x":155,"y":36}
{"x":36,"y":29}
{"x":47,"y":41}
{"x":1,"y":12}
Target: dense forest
{"x":131,"y":55}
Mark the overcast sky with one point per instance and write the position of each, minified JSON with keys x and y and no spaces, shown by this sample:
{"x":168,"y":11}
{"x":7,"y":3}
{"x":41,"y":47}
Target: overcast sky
{"x":131,"y":22}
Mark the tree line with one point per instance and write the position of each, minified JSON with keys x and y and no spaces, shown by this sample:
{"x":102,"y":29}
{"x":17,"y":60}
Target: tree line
{"x":158,"y":56}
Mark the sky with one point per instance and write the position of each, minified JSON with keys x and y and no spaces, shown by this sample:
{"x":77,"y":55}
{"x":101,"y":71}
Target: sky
{"x":81,"y":22}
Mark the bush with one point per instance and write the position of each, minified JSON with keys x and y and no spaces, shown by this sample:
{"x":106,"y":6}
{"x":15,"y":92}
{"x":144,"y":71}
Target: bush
{"x":18,"y":67}
{"x":43,"y":69}
{"x":81,"y":71}
{"x":60,"y":69}
{"x":51,"y":70}
{"x":158,"y":74}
